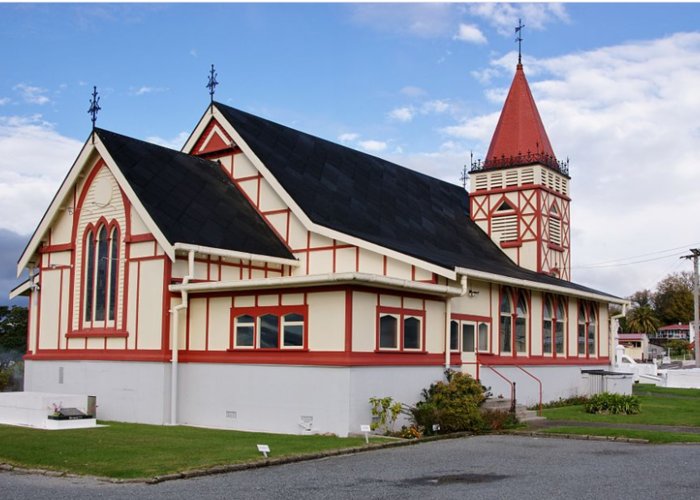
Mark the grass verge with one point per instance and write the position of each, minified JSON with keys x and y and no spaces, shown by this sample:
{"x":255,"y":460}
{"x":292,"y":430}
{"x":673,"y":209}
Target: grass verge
{"x":651,"y":436}
{"x":127,"y":451}
{"x":655,"y":410}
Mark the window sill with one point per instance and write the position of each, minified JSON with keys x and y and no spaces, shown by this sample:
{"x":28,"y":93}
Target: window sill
{"x":405,"y":351}
{"x":511,"y":244}
{"x":97,"y":333}
{"x":553,"y":246}
{"x":262,"y":349}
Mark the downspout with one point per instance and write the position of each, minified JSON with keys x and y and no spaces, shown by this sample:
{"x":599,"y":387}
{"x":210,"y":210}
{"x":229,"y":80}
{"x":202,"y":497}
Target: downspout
{"x":448,"y":318}
{"x":175,"y":337}
{"x":612,"y":339}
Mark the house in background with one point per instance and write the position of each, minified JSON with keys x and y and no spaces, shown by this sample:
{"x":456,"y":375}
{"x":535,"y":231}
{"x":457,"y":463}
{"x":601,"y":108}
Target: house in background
{"x":636,"y":345}
{"x":673,"y":332}
{"x":266,"y":279}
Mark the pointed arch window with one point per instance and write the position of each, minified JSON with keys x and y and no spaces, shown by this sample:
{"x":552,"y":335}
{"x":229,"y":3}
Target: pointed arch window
{"x":101,"y":269}
{"x":513,"y":329}
{"x":553,"y":321}
{"x":587,"y":329}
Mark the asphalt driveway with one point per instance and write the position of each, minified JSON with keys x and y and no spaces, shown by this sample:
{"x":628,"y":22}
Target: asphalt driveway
{"x":485,"y":467}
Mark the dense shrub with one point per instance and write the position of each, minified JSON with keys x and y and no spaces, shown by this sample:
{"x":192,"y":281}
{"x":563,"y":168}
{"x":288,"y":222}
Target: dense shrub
{"x":450,"y":406}
{"x":618,"y":404}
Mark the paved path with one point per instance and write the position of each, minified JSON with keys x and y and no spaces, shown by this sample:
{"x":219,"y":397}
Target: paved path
{"x":484,"y":467}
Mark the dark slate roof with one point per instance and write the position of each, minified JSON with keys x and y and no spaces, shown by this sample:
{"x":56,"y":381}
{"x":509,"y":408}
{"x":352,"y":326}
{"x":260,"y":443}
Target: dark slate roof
{"x":378,"y":201}
{"x":190,"y":199}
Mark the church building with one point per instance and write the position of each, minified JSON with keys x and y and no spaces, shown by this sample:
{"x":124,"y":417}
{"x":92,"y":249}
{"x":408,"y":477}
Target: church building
{"x":265,"y":279}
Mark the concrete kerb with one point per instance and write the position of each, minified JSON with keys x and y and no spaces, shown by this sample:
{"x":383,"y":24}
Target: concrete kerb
{"x":580,"y":437}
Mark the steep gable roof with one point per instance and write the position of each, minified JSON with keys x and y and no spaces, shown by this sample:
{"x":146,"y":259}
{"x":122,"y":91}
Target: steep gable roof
{"x":520,"y":135}
{"x":376,"y":200}
{"x":191,"y":200}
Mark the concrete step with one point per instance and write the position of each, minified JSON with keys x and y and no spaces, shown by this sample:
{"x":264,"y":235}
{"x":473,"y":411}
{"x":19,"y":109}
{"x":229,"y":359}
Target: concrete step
{"x":521,"y":411}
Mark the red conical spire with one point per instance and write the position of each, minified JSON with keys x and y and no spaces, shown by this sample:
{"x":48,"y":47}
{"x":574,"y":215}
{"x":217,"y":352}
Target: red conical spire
{"x":520,"y":137}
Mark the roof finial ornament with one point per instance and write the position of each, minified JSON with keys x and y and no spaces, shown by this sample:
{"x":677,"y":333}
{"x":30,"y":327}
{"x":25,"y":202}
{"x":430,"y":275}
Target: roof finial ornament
{"x":212,"y":83}
{"x":94,"y":107}
{"x":465,"y":173}
{"x":519,"y":39}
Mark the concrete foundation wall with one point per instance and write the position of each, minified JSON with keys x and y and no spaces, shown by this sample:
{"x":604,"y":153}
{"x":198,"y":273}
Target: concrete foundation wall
{"x":557,"y":382}
{"x":126,"y":391}
{"x":288,"y":398}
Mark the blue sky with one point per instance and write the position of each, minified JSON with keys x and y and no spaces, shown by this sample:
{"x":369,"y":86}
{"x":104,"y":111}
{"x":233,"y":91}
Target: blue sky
{"x":418,"y":84}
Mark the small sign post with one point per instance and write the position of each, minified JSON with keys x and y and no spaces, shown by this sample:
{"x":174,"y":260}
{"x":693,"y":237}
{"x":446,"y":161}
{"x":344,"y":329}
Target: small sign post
{"x":366,"y":429}
{"x":264,"y":449}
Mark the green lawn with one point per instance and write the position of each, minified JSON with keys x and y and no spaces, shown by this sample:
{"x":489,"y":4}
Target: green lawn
{"x":135,"y":450}
{"x":655,"y":410}
{"x":659,"y":406}
{"x":651,"y":436}
{"x":645,"y":389}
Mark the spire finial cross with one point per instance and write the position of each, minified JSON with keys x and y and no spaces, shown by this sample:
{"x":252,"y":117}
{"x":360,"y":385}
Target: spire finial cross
{"x":94,"y":106}
{"x":212,"y":83}
{"x":465,"y":173}
{"x":519,"y":39}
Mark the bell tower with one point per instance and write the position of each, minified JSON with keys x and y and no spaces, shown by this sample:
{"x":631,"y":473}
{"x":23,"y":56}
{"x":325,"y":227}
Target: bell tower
{"x":519,"y":194}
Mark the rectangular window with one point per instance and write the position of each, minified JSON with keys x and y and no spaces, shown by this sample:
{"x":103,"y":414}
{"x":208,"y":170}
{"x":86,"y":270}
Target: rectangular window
{"x":582,"y":338}
{"x":268,"y":327}
{"x":505,"y":332}
{"x":411,"y":333}
{"x":269,"y":331}
{"x":244,"y":331}
{"x":591,"y":339}
{"x":560,"y":337}
{"x":468,"y":337}
{"x":547,"y":337}
{"x":454,"y":336}
{"x":520,"y":334}
{"x":483,"y":337}
{"x":388,"y":332}
{"x":293,"y":330}
{"x":400,"y":329}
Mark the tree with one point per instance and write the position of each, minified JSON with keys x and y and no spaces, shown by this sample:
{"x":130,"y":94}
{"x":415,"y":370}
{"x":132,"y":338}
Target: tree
{"x":679,"y":347}
{"x":673,"y":300}
{"x":642,"y":319}
{"x":13,"y":329}
{"x":642,"y":298}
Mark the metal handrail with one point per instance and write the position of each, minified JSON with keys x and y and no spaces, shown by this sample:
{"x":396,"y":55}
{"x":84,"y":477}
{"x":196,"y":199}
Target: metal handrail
{"x":510,"y":382}
{"x":539,"y":411}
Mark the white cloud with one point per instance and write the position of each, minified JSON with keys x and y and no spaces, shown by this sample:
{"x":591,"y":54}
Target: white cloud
{"x":436,"y":106}
{"x":4,"y":100}
{"x":31,"y":94}
{"x":174,"y":143}
{"x":470,"y":33}
{"x":404,"y":114}
{"x":145,"y":89}
{"x":348,"y":137}
{"x":194,"y":53}
{"x":505,"y":16}
{"x":372,"y":145}
{"x":34,"y":159}
{"x":627,"y":116}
